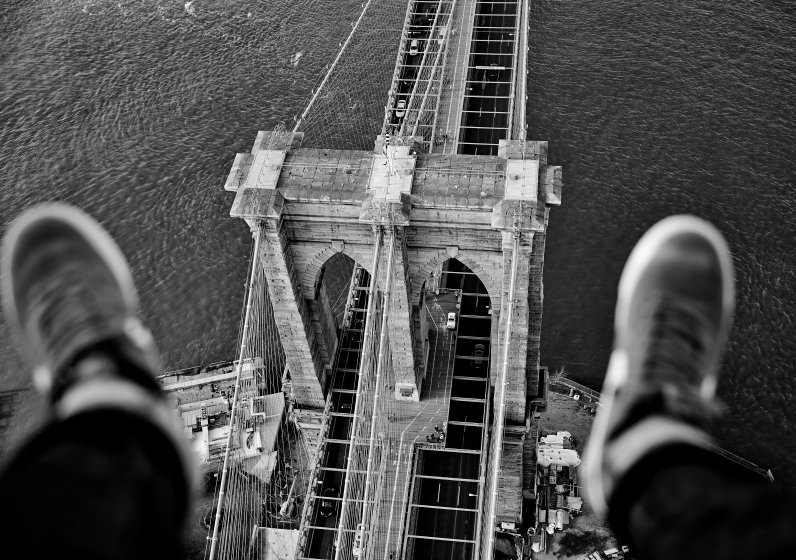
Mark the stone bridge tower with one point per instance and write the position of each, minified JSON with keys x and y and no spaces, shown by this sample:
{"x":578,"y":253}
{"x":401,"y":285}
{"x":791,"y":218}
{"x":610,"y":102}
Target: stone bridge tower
{"x":315,"y":203}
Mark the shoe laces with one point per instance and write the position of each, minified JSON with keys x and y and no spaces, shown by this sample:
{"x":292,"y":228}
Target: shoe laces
{"x":677,"y":357}
{"x":62,"y":306}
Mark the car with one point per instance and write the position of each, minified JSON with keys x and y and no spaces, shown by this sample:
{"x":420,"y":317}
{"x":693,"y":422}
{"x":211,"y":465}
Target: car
{"x":400,"y":109}
{"x":451,"y":324}
{"x":478,"y":355}
{"x":358,"y":549}
{"x":414,"y":47}
{"x":328,"y":506}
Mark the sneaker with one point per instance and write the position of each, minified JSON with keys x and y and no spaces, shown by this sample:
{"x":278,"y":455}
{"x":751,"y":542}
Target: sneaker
{"x":67,"y":293}
{"x":673,"y":313}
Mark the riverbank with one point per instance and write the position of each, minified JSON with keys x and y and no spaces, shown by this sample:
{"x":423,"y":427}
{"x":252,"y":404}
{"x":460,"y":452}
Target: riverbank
{"x":587,"y":531}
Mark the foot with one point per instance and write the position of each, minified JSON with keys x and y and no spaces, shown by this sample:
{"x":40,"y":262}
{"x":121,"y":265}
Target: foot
{"x":68,"y":296}
{"x":673,"y":313}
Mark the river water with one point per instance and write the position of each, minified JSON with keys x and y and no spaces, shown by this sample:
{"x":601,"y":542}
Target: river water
{"x":134,"y":110}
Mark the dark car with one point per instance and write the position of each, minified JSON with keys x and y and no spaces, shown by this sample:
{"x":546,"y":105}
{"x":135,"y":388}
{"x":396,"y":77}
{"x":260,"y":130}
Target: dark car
{"x":478,"y":355}
{"x":328,"y":507}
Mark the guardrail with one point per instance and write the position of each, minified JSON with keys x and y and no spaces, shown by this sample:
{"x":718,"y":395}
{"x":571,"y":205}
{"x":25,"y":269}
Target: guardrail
{"x":560,"y":379}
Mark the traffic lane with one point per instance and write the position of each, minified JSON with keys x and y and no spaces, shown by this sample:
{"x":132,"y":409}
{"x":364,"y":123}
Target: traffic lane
{"x":445,"y":523}
{"x":339,"y":427}
{"x":503,"y":34}
{"x":466,"y":411}
{"x":336,"y":454}
{"x":447,"y":493}
{"x":475,"y":325}
{"x":475,"y":304}
{"x":489,"y":44}
{"x":479,"y":121}
{"x":484,"y":138}
{"x":478,"y":118}
{"x":427,"y":549}
{"x":445,"y":463}
{"x":462,"y":436}
{"x":487,"y":104}
{"x":499,"y":86}
{"x":318,"y":520}
{"x":464,"y":367}
{"x":485,"y":59}
{"x":469,"y":389}
{"x":320,"y":543}
{"x":496,"y":8}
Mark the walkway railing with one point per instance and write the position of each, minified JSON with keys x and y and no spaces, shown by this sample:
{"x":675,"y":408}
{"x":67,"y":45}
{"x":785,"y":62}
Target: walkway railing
{"x":560,"y":379}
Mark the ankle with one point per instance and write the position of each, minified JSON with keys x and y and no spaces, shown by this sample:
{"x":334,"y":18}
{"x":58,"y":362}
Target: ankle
{"x":112,"y":358}
{"x":645,"y":437}
{"x":107,"y":392}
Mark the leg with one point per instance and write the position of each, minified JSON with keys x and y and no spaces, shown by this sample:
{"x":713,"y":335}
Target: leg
{"x":110,"y":476}
{"x":647,"y":465}
{"x":684,"y":502}
{"x":101,"y":484}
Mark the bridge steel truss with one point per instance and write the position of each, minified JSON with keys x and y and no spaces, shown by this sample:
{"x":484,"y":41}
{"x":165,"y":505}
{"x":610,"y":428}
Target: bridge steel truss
{"x":419,"y":79}
{"x":448,"y":523}
{"x":330,"y":473}
{"x":341,"y":506}
{"x":492,"y":94}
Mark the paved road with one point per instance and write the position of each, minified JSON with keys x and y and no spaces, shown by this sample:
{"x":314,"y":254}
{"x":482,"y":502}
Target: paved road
{"x":445,"y":497}
{"x":486,"y":105}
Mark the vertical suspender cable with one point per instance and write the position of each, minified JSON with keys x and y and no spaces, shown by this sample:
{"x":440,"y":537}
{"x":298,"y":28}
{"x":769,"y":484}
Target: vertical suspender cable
{"x":360,"y":385}
{"x":379,"y":367}
{"x":234,"y":411}
{"x":501,"y":410}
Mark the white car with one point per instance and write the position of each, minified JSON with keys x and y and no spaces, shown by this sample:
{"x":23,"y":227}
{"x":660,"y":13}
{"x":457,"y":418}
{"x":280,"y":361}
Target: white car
{"x":400,"y":109}
{"x":451,"y":324}
{"x":359,"y":541}
{"x":414,"y":47}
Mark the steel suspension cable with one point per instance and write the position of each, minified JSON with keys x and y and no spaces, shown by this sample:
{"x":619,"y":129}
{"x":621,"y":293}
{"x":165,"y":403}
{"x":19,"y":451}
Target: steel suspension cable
{"x":379,"y":368}
{"x":247,"y":316}
{"x":500,"y":417}
{"x":368,"y":327}
{"x":332,"y":67}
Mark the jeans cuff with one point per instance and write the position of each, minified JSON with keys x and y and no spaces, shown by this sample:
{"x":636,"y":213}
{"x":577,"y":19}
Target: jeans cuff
{"x":638,"y":478}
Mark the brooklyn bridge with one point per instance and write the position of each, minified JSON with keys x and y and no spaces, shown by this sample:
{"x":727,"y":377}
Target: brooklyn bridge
{"x":382,"y":404}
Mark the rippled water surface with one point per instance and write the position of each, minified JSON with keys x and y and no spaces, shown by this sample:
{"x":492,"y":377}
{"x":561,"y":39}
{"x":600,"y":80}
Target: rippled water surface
{"x":134,"y":110}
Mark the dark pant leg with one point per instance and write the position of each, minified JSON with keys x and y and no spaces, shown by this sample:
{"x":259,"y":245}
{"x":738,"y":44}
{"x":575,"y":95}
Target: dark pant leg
{"x":102,"y":484}
{"x":686,"y":503}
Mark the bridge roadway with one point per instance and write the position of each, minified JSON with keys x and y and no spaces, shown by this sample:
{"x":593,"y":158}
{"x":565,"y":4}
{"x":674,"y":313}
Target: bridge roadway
{"x":430,"y":486}
{"x":431,"y":499}
{"x":428,"y":492}
{"x":413,"y":421}
{"x":325,"y":495}
{"x":445,"y":491}
{"x":487,"y":108}
{"x":472,"y":88}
